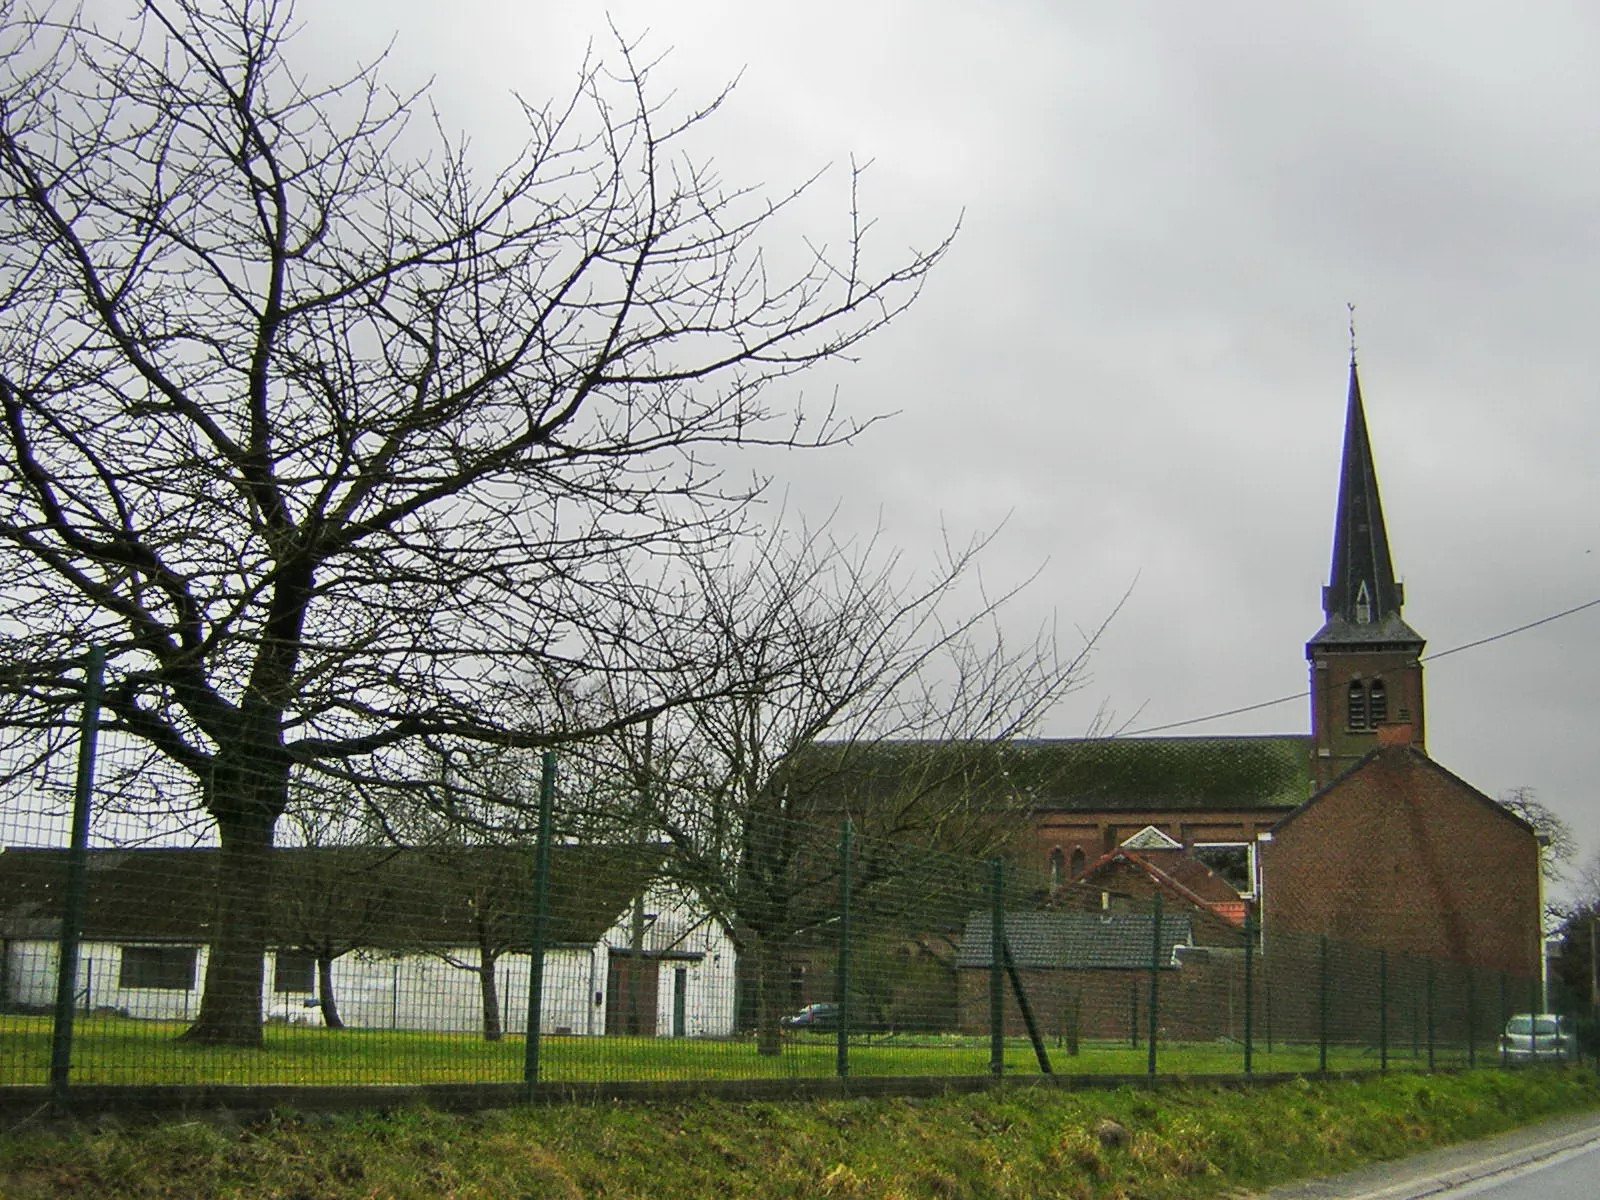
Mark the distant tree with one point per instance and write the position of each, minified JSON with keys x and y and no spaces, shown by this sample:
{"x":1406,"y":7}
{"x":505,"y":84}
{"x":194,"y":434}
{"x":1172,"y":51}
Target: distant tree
{"x":886,"y":698}
{"x":332,"y":893}
{"x":1559,"y":845}
{"x":336,"y":444}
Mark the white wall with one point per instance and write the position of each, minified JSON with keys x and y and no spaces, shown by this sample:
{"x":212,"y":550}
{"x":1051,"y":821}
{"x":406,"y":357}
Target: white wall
{"x":424,"y":992}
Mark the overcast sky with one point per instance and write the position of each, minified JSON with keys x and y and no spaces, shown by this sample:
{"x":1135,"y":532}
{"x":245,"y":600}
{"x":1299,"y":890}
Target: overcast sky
{"x":1136,"y":353}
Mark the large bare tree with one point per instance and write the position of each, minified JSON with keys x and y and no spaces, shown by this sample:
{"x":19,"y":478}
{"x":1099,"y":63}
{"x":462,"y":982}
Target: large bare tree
{"x":337,"y":443}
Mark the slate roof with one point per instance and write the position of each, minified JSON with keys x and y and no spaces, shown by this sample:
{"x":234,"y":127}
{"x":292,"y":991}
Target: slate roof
{"x":1075,"y":941}
{"x":1362,"y":600}
{"x":385,"y":897}
{"x":1074,"y":774}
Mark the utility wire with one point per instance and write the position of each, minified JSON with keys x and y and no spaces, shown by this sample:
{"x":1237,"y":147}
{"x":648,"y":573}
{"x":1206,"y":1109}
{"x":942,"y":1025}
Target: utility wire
{"x":1233,"y":712}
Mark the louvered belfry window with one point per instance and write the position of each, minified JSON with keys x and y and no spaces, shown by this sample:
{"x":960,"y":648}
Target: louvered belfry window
{"x":1358,"y":705}
{"x":1377,"y":704}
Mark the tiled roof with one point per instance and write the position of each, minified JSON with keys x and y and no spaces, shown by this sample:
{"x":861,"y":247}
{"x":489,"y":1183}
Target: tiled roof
{"x":384,"y":897}
{"x":1075,"y":941}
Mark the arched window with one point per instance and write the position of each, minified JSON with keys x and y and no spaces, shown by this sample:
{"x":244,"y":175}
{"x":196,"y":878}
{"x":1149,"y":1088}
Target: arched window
{"x":1058,"y":865}
{"x":1358,"y":705}
{"x":1077,"y":862}
{"x":1377,"y":704}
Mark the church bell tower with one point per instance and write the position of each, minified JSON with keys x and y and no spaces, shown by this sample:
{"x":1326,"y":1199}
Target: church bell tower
{"x":1366,"y":668}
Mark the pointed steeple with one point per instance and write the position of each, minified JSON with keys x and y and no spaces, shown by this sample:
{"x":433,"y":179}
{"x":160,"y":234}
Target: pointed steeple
{"x":1362,"y":600}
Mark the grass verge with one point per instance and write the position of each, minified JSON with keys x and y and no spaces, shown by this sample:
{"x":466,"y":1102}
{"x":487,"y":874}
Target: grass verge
{"x":1183,"y":1140}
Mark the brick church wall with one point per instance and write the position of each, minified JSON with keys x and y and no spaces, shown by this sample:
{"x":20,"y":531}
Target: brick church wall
{"x":1401,"y":855}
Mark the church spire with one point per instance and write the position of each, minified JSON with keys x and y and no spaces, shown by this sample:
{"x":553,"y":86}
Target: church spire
{"x":1366,"y":662}
{"x":1362,"y":593}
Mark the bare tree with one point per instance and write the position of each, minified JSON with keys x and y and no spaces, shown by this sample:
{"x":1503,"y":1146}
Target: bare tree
{"x":1558,"y":844}
{"x":336,"y":446}
{"x":884,"y":698}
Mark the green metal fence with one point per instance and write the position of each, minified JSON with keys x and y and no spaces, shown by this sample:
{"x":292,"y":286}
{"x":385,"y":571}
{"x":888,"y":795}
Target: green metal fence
{"x":538,"y":944}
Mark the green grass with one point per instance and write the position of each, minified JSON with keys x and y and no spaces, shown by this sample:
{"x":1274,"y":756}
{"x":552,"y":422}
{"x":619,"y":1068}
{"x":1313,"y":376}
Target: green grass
{"x":1185,"y":1142}
{"x":111,"y":1050}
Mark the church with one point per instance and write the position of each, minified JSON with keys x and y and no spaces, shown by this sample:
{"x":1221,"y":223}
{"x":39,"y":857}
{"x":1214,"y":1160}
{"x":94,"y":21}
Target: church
{"x":1350,"y":830}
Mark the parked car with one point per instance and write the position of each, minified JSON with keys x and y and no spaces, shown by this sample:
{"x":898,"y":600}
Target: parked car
{"x":815,"y":1018}
{"x":294,"y":1010}
{"x":1530,"y":1037}
{"x":823,"y":1017}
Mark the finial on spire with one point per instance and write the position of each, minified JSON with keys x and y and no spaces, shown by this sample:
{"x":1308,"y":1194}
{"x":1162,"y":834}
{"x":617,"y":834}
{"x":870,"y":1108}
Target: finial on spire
{"x":1351,"y":309}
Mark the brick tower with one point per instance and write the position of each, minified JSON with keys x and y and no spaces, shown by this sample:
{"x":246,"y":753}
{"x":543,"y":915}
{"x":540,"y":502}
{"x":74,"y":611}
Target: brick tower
{"x":1366,"y":668}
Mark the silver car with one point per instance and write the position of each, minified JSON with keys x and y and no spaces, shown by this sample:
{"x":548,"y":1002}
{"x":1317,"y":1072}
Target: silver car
{"x":1536,"y":1037}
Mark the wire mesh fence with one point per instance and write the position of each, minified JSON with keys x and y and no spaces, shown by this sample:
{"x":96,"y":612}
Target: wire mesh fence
{"x":551,"y":951}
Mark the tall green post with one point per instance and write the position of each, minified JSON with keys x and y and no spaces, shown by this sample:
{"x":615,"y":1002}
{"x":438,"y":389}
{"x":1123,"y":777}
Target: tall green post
{"x":1155,"y":984}
{"x":1249,"y":990}
{"x":1505,"y":1015}
{"x":1322,"y":1009}
{"x":841,"y":987}
{"x":77,"y":883}
{"x":1429,"y":999}
{"x":997,"y":937}
{"x":541,"y":922}
{"x":1533,"y":1009}
{"x":1472,"y":1016}
{"x":1383,"y":1010}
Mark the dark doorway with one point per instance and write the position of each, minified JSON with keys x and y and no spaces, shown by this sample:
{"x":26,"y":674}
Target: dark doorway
{"x":680,"y":1000}
{"x":631,"y":982}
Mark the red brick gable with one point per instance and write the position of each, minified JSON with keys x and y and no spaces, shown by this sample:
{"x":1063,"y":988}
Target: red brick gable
{"x":1398,"y":853}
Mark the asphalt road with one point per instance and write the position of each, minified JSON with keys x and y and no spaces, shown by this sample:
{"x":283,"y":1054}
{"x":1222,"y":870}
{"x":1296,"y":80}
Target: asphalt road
{"x":1555,"y":1160}
{"x":1574,"y":1175}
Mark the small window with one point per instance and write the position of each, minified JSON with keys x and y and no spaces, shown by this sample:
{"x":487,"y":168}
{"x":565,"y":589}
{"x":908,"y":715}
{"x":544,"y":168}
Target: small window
{"x":1377,"y":704}
{"x":1078,"y":860}
{"x":294,"y":971}
{"x":167,"y":967}
{"x":1363,"y":605}
{"x":1058,"y":866}
{"x":1233,"y":861}
{"x":1358,"y":705}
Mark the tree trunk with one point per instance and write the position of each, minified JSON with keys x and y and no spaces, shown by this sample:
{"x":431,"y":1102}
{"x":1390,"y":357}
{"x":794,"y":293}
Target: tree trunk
{"x":230,"y":1010}
{"x":490,"y":988}
{"x":771,"y":976}
{"x":330,"y":1007}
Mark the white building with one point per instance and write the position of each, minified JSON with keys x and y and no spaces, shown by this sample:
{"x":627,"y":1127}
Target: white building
{"x":405,"y":930}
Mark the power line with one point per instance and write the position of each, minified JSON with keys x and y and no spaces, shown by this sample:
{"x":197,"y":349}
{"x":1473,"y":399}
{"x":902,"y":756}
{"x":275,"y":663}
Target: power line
{"x":1233,"y":712}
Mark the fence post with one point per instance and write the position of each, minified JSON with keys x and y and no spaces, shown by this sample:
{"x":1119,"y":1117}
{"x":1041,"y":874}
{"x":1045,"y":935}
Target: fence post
{"x":1533,"y":1009}
{"x":541,"y":922}
{"x":1429,"y":984}
{"x":841,"y":985}
{"x":997,"y":934}
{"x":1416,"y":1017}
{"x":1383,"y":1010}
{"x":1505,"y":1015}
{"x":1267,"y":988}
{"x":1322,"y":1008}
{"x":1155,"y":983}
{"x":1133,"y":1013}
{"x":1472,"y":1016}
{"x":77,"y":882}
{"x":1249,"y":988}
